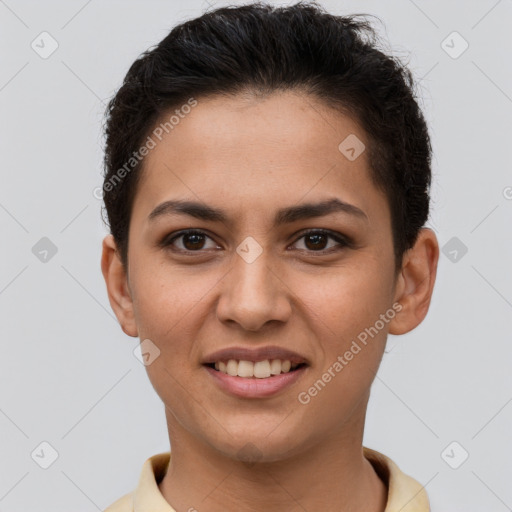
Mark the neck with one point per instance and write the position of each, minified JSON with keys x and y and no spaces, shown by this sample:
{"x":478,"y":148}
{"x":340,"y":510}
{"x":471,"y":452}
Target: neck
{"x":331,"y":475}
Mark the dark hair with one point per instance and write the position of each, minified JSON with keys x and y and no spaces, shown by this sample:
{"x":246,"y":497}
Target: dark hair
{"x":260,"y":48}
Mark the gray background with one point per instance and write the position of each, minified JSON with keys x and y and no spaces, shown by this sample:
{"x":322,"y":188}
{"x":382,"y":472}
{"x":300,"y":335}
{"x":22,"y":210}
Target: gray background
{"x":68,"y":374}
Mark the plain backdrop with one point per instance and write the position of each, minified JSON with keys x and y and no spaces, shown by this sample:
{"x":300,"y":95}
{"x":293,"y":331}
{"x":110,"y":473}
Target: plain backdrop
{"x":69,"y":378}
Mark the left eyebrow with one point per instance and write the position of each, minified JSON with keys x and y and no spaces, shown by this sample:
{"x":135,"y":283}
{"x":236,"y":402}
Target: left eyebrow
{"x":283,"y":216}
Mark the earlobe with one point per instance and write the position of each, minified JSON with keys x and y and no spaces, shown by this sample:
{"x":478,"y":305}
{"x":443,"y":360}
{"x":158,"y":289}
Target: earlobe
{"x":415,"y":282}
{"x":116,"y":280}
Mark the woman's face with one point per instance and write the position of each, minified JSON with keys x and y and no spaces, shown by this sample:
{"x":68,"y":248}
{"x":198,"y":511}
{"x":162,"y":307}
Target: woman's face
{"x":262,"y":277}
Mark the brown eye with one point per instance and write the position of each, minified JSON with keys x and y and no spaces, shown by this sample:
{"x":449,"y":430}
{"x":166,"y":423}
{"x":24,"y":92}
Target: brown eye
{"x":315,"y":241}
{"x":192,"y":241}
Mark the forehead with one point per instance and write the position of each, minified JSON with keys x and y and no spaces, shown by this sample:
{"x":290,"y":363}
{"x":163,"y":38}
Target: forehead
{"x":283,"y":124}
{"x":255,"y":152}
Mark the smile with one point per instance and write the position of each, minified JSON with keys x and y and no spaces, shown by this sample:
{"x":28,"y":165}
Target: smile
{"x":259,"y":369}
{"x":253,"y":386}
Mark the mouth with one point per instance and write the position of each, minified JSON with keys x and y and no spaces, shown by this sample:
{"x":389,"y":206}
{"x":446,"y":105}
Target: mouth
{"x":250,"y":372}
{"x":265,"y":369}
{"x":255,"y":379}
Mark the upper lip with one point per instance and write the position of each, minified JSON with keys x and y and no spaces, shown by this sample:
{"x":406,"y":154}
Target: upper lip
{"x":254,"y":354}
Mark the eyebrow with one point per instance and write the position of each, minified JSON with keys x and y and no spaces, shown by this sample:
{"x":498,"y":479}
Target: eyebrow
{"x":283,"y":216}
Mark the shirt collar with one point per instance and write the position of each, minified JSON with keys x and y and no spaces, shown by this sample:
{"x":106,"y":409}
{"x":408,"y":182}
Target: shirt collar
{"x":405,"y":494}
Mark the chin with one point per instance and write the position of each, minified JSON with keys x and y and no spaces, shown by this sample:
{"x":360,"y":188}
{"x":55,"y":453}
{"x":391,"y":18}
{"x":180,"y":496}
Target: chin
{"x":258,"y":447}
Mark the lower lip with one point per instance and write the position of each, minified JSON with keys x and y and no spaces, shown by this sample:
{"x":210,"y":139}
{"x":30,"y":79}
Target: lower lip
{"x":253,"y":387}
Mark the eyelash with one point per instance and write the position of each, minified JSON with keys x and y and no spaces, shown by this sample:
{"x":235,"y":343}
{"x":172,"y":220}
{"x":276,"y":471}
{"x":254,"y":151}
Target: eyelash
{"x":341,"y":240}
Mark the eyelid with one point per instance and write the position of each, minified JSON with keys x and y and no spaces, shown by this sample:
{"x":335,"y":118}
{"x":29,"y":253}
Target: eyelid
{"x":168,"y":240}
{"x":341,"y":240}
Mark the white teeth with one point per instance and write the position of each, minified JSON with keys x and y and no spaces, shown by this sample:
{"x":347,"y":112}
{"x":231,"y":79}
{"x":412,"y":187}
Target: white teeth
{"x":275,"y":367}
{"x":260,"y":369}
{"x":245,"y":369}
{"x":232,"y":368}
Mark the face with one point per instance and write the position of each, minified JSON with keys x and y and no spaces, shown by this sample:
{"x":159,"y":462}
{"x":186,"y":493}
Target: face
{"x":260,"y":271}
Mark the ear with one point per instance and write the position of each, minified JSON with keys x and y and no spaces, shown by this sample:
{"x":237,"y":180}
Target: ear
{"x":118,"y":290}
{"x":415,"y":282}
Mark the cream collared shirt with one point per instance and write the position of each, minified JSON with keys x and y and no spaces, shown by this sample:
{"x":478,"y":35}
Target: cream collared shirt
{"x":404,"y":493}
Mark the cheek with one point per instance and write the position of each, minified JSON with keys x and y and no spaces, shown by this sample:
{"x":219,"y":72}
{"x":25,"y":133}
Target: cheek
{"x":345,"y":303}
{"x":169,"y":308}
{"x":346,"y":309}
{"x":345,"y":315}
{"x":165,"y":299}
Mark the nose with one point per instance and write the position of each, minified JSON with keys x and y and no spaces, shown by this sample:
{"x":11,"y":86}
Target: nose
{"x":254,"y":294}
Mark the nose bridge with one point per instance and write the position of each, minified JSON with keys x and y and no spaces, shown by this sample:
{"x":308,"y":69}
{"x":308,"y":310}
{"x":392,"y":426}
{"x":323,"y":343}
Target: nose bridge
{"x":252,"y":294}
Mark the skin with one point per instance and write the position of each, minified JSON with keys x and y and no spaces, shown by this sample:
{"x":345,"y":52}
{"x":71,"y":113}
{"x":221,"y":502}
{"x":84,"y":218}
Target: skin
{"x":251,"y":156}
